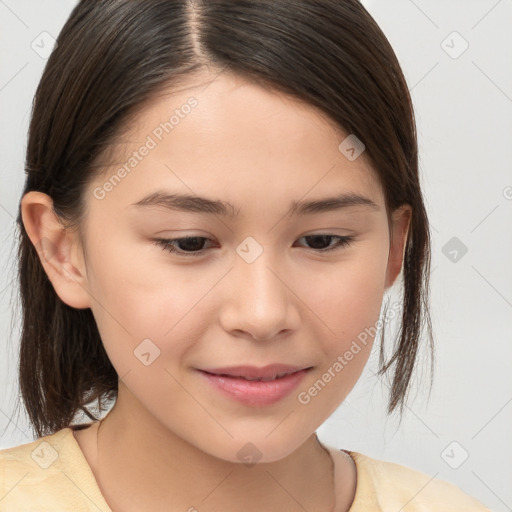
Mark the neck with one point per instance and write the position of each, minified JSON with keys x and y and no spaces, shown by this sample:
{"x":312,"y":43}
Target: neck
{"x":141,"y":465}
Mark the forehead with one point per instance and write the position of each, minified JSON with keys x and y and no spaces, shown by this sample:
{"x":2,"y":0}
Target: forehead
{"x":224,"y":136}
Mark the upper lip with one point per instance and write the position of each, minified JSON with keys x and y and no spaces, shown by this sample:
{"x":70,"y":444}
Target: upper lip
{"x":254,"y":372}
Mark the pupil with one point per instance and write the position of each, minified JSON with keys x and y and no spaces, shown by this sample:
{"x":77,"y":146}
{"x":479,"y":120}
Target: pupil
{"x":191,"y":244}
{"x":324,"y":239}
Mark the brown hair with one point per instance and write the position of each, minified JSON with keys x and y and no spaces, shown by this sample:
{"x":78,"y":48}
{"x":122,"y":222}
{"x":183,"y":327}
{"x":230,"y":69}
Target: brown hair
{"x":111,"y":57}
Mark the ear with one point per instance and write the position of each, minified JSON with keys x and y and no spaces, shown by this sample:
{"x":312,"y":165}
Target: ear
{"x":400,"y":222}
{"x":59,"y":249}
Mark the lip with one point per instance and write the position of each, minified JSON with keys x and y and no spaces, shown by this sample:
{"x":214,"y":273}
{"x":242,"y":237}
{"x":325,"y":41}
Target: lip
{"x":255,"y":393}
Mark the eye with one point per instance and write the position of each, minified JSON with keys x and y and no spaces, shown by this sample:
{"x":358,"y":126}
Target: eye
{"x":342,"y":241}
{"x":191,"y":245}
{"x":194,"y":245}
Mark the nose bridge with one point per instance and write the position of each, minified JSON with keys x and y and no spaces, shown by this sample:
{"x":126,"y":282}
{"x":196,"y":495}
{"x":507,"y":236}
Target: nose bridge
{"x":260,"y":301}
{"x":257,"y":277}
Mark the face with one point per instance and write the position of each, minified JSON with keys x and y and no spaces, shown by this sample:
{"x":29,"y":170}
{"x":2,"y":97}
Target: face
{"x":255,"y":284}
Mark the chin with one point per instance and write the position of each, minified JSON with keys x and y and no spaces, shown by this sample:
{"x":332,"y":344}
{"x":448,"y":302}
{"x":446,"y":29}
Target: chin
{"x":259,"y":448}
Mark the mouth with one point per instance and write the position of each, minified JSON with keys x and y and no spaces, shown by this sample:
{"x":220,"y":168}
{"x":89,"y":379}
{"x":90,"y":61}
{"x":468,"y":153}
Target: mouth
{"x":256,"y":386}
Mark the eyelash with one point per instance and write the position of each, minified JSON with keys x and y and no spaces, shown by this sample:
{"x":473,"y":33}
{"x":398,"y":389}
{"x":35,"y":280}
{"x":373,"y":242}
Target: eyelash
{"x":167,"y":244}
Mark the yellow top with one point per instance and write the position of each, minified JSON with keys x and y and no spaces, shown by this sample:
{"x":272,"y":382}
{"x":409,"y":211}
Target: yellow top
{"x":51,"y":474}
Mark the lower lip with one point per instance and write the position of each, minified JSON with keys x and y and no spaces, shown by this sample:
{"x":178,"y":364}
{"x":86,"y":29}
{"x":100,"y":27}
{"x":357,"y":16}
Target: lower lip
{"x":256,"y":393}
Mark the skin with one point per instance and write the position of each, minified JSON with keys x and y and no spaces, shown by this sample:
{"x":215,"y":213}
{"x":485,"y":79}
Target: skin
{"x":171,"y":440}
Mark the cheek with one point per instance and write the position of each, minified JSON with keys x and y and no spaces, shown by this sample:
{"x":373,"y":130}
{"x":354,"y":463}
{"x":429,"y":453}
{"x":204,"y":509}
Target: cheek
{"x":347,"y":295}
{"x":133,"y":302}
{"x":347,"y":299}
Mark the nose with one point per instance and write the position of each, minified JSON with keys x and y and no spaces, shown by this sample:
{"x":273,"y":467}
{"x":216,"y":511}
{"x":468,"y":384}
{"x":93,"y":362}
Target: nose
{"x":258,"y":300}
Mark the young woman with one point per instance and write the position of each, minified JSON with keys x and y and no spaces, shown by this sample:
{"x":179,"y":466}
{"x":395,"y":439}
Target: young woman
{"x":218,"y":196}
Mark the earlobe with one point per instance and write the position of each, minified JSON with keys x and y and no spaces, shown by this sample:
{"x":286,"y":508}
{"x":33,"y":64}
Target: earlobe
{"x":401,"y":219}
{"x":57,"y":249}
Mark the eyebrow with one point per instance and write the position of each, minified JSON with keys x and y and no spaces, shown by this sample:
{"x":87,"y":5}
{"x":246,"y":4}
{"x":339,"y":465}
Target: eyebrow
{"x":197,"y":204}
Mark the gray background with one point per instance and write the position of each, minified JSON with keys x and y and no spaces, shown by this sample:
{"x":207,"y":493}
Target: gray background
{"x":463,"y":102}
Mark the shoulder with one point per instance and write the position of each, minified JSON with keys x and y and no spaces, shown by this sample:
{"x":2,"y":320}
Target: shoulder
{"x":398,"y":487}
{"x":49,"y":473}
